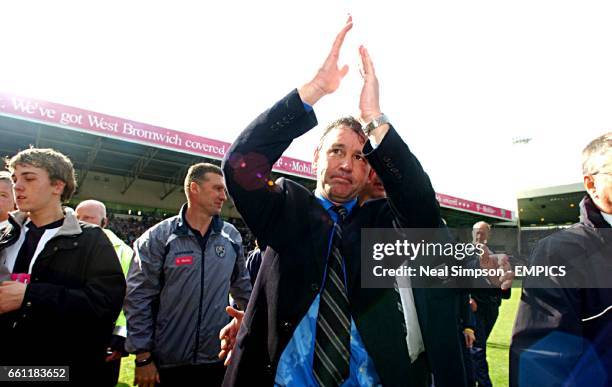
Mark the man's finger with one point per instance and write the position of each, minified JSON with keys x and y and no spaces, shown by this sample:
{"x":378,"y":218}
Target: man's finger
{"x":343,"y":71}
{"x":225,"y":344}
{"x":368,"y":66}
{"x":228,"y":359}
{"x":223,"y":332}
{"x":340,"y":37}
{"x":233,"y":312}
{"x":507,"y":284}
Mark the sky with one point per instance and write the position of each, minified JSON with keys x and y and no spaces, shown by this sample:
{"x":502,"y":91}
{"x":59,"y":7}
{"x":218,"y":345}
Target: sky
{"x":460,"y":80}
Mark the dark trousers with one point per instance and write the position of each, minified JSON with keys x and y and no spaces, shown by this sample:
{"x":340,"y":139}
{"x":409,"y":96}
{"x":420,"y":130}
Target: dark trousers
{"x":486,"y":315}
{"x":111,"y":373}
{"x":469,"y":364}
{"x":419,"y":372}
{"x":204,"y":375}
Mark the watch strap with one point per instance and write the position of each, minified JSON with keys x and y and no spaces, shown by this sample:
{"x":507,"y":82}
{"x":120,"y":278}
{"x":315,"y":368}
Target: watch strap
{"x":375,"y":123}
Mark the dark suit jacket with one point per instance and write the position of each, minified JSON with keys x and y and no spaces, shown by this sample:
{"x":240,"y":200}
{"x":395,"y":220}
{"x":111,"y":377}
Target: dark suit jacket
{"x":290,"y":220}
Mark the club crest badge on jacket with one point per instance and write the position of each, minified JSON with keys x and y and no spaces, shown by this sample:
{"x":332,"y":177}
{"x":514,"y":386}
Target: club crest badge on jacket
{"x":220,"y":250}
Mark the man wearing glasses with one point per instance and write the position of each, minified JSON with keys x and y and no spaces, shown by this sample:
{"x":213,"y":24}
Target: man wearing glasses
{"x":563,"y":334}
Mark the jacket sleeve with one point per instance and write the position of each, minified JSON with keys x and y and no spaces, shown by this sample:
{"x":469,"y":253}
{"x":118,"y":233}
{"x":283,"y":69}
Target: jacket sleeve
{"x":410,"y":193}
{"x":143,"y":288}
{"x":240,"y":281}
{"x":253,"y":263}
{"x":249,"y":161}
{"x":125,"y":254}
{"x":240,"y":286}
{"x":547,"y":339}
{"x":100,"y":298}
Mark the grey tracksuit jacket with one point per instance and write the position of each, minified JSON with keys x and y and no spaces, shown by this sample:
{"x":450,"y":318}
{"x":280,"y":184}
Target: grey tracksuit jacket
{"x":177,"y":292}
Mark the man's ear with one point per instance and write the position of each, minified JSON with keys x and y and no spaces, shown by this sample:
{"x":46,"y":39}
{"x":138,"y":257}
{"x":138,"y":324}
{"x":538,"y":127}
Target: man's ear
{"x":371,"y":173}
{"x":194,"y":187}
{"x":57,"y":187}
{"x":589,"y":185}
{"x":315,"y":160}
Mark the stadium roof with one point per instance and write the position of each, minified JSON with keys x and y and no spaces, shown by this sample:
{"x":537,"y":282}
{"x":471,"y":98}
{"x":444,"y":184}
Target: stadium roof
{"x":137,"y":151}
{"x":550,"y":206}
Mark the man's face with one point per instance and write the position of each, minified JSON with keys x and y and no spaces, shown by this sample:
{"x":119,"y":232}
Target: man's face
{"x":481,"y":233}
{"x":209,"y":194}
{"x":599,"y":187}
{"x":373,"y":188}
{"x":7,"y":199}
{"x":90,"y":213}
{"x":341,"y":166}
{"x":34,"y":191}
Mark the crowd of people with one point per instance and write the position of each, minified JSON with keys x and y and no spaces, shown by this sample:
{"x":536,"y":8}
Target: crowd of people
{"x":130,"y":228}
{"x":74,"y":294}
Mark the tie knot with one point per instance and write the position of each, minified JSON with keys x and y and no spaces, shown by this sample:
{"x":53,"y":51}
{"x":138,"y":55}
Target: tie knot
{"x":341,"y":211}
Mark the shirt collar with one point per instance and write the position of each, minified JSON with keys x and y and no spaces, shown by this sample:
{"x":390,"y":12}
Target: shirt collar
{"x":57,"y":224}
{"x":327,"y":204}
{"x":182,"y":226}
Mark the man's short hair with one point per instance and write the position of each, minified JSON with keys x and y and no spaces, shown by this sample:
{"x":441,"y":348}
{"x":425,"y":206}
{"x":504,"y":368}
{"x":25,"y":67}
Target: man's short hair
{"x":597,"y":156}
{"x":481,"y":223}
{"x":348,"y":122}
{"x":197,"y":173}
{"x":5,"y":176}
{"x":58,"y":166}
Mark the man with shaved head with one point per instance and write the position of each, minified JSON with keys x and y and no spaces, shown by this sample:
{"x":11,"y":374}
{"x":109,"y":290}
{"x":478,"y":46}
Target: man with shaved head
{"x":94,"y":212}
{"x":485,"y":304}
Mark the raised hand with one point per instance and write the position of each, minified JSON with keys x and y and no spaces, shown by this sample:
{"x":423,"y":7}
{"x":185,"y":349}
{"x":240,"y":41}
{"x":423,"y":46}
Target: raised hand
{"x":329,"y":76}
{"x":488,"y":260}
{"x":369,"y":104}
{"x":506,"y":279}
{"x":496,"y":261}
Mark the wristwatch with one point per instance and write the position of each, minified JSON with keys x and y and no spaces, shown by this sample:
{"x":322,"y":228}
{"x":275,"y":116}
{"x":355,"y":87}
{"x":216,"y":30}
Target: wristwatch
{"x":375,"y":123}
{"x":144,"y":362}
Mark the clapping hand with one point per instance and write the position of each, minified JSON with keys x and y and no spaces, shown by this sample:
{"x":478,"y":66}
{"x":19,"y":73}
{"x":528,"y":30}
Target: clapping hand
{"x":328,"y":78}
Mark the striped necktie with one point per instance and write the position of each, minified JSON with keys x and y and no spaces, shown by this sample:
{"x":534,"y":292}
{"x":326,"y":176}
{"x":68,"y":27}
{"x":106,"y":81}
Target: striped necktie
{"x":332,"y":342}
